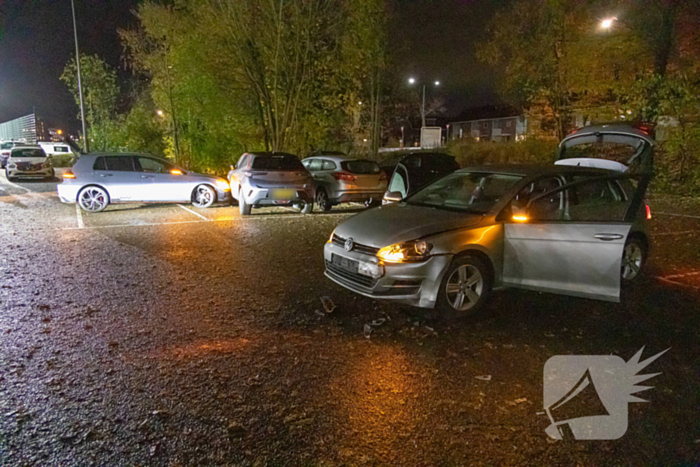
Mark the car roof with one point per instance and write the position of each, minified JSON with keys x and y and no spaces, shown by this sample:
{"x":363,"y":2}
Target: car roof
{"x":532,"y":170}
{"x":615,"y":127}
{"x":338,"y":158}
{"x":271,"y":154}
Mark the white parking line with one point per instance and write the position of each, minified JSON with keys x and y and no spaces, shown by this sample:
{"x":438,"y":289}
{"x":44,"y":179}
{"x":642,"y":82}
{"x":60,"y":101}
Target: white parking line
{"x":675,"y":215}
{"x":669,"y":281}
{"x":79,"y":215}
{"x":195,"y":213}
{"x":5,"y":180}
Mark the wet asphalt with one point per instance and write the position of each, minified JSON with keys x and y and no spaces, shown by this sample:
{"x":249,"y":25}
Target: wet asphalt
{"x":164,"y":336}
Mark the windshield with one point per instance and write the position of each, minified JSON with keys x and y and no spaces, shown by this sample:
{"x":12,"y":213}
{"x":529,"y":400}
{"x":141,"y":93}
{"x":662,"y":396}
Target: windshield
{"x":277,"y":163}
{"x":469,"y":192}
{"x":361,"y":167}
{"x":28,"y":152}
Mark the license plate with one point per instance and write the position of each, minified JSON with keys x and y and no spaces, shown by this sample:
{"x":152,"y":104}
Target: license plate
{"x":345,"y":263}
{"x":282,"y":193}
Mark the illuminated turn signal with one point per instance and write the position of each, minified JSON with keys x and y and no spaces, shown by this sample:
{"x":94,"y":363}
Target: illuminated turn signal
{"x":519,"y":218}
{"x":176,"y":172}
{"x":648,"y":211}
{"x":69,"y":174}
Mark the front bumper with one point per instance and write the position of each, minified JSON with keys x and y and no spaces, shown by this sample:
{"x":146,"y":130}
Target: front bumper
{"x":415,"y":284}
{"x":258,"y":196}
{"x":223,"y":196}
{"x":41,"y":173}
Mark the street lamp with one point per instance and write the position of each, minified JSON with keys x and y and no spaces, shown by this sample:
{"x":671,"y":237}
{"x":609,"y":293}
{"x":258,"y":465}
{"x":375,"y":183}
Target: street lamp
{"x":86,"y":145}
{"x":607,"y":23}
{"x":159,"y":112}
{"x":422,"y":108}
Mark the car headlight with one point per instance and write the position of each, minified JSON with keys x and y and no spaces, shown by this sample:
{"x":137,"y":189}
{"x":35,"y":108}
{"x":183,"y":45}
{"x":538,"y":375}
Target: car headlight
{"x":330,"y":240}
{"x":11,"y":166}
{"x":222,"y":184}
{"x":405,"y":252}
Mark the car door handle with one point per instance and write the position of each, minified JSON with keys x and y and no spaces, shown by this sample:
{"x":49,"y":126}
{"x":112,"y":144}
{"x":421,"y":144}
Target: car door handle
{"x":607,"y":237}
{"x":147,"y":176}
{"x":106,"y":175}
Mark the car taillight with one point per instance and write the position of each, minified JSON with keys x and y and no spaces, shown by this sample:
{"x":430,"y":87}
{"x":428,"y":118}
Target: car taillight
{"x":69,"y":175}
{"x":383,"y":177}
{"x":648,"y":211}
{"x":346,"y":177}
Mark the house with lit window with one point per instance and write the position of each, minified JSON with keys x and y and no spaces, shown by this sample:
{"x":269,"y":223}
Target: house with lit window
{"x":492,"y":123}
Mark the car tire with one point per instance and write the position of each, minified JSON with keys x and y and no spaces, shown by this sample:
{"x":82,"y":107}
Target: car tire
{"x":634,"y":257}
{"x":93,"y":199}
{"x":465,"y":287}
{"x":307,"y":207}
{"x":243,"y":207}
{"x":203,"y":196}
{"x":322,"y":201}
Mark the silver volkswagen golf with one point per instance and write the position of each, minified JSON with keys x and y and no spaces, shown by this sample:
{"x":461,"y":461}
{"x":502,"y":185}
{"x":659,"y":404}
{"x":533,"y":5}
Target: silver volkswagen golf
{"x":577,"y":227}
{"x":97,"y":180}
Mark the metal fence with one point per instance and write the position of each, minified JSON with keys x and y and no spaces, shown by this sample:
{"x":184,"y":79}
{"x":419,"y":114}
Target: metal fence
{"x":20,"y":129}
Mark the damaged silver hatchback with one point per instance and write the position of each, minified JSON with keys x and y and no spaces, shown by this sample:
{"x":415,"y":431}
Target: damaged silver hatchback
{"x":577,"y":227}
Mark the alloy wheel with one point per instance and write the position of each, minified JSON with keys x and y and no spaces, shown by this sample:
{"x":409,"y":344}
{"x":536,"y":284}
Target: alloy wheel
{"x":632,"y":261}
{"x":93,"y":199}
{"x":203,"y":196}
{"x":464,"y":287}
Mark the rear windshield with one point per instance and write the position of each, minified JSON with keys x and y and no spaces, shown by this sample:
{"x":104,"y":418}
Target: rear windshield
{"x":361,"y":167}
{"x":277,"y":163}
{"x":6,"y":145}
{"x":613,"y":147}
{"x":28,"y":152}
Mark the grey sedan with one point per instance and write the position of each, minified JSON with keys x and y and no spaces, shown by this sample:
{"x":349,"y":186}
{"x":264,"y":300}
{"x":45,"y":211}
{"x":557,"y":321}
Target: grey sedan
{"x":97,"y":180}
{"x":572,"y":228}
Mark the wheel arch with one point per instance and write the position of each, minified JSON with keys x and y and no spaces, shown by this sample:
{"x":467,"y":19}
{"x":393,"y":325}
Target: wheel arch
{"x":483,"y":256}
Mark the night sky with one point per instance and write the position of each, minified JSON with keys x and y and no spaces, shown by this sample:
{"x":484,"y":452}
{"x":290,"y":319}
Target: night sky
{"x":430,"y":40}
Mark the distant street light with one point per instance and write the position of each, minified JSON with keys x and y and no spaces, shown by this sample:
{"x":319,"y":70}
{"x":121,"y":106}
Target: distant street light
{"x":607,"y":23}
{"x":422,"y":108}
{"x":86,"y":145}
{"x":159,"y":112}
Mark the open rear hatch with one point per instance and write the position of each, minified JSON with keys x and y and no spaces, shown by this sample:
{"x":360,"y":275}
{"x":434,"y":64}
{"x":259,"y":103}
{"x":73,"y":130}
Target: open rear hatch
{"x":621,"y":148}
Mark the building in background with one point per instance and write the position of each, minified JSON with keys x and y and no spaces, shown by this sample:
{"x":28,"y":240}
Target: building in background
{"x":492,"y":123}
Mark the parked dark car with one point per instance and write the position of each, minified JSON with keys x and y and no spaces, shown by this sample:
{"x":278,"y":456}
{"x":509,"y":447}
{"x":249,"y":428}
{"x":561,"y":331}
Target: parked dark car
{"x":417,"y":170}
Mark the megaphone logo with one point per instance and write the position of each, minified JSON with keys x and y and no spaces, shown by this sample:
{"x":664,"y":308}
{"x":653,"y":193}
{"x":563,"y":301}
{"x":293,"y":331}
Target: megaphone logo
{"x":586,"y":396}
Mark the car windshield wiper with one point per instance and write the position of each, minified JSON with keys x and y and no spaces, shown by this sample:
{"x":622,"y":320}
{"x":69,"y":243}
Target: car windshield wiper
{"x":447,"y":208}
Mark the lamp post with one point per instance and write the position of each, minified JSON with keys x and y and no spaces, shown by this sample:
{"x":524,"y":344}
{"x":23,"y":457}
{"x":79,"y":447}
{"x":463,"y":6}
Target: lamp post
{"x":422,"y":107}
{"x":86,"y":143}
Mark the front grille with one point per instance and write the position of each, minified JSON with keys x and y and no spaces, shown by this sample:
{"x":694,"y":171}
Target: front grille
{"x":350,"y":277}
{"x":368,"y":250}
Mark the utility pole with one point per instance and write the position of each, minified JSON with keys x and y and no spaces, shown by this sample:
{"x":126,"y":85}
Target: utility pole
{"x":86,"y":144}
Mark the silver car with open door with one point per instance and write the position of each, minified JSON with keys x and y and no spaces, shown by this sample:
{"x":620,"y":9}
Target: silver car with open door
{"x":97,"y":180}
{"x":572,"y":228}
{"x":342,"y":179}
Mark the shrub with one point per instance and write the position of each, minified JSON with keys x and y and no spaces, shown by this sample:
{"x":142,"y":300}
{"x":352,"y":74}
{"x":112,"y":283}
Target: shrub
{"x":469,"y":152}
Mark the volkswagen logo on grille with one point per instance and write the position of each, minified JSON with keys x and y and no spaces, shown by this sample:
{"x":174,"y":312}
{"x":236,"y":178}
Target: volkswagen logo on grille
{"x":349,"y":244}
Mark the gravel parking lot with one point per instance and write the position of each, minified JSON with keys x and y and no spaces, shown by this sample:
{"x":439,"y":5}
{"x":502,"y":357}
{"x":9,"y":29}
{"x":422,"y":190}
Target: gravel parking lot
{"x":166,"y":335}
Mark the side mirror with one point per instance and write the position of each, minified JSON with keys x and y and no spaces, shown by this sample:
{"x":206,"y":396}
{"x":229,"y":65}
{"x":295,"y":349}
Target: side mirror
{"x":519,"y":211}
{"x":392,"y":196}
